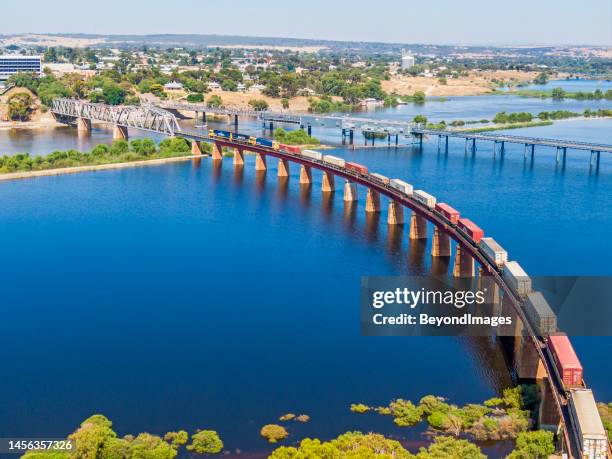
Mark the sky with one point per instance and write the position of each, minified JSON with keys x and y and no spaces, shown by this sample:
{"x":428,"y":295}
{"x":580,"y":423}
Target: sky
{"x":399,"y":21}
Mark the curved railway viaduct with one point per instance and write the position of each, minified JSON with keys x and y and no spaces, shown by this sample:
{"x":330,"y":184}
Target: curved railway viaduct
{"x":153,"y":119}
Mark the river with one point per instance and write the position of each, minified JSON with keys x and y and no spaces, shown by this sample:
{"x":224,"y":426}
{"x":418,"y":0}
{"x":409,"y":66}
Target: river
{"x":189,"y":296}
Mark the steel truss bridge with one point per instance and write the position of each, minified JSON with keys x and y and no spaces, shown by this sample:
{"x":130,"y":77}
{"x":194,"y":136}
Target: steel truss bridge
{"x":144,"y":117}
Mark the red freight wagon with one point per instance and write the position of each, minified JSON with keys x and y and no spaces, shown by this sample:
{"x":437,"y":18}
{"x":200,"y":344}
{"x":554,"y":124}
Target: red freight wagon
{"x":470,"y":228}
{"x":356,"y":167}
{"x":290,"y":148}
{"x":451,"y":214}
{"x":566,"y":361}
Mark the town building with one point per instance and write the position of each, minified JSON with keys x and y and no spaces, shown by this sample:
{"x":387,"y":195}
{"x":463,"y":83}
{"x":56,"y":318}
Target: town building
{"x":407,"y":60}
{"x":10,"y":64}
{"x":173,"y":86}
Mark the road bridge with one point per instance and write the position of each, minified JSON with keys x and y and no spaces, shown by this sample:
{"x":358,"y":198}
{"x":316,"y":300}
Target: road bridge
{"x":157,"y":120}
{"x":529,"y":143}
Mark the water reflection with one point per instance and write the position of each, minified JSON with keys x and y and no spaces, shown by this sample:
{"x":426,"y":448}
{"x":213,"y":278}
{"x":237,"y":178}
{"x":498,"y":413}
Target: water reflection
{"x":372,"y":222}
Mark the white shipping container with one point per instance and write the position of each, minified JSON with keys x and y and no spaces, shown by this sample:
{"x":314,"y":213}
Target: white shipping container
{"x":517,"y":278}
{"x":493,"y":251}
{"x":334,"y":160}
{"x":587,"y":421}
{"x":424,"y":198}
{"x":402,"y":186}
{"x":312,"y":154}
{"x":380,"y":177}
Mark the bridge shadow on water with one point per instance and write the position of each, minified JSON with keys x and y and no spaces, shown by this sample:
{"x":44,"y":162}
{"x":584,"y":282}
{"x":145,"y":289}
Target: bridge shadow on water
{"x":408,"y":257}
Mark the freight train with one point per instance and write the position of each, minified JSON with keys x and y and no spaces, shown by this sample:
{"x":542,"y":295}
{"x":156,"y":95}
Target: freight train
{"x":593,"y":440}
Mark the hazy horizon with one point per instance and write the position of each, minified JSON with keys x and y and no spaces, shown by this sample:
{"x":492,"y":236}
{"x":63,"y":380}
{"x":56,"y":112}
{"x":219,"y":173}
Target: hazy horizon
{"x":516,"y":44}
{"x":473,"y":23}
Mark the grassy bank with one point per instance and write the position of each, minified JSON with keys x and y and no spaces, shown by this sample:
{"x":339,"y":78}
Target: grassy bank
{"x":502,"y":127}
{"x":120,"y":151}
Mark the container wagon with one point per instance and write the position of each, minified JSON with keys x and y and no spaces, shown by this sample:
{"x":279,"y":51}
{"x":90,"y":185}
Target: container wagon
{"x":424,"y":198}
{"x":219,"y":133}
{"x":240,"y":137}
{"x":566,"y":361}
{"x":380,"y":178}
{"x":587,"y":423}
{"x":263,"y":142}
{"x":448,"y":212}
{"x":518,"y":279}
{"x":339,"y":162}
{"x":404,"y":187}
{"x":493,"y":251}
{"x":356,"y":167}
{"x":312,"y":154}
{"x":470,"y":229}
{"x":290,"y":149}
{"x":540,"y":315}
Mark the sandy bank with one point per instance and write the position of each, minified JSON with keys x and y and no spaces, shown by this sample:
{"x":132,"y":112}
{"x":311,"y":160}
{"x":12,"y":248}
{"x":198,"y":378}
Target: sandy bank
{"x":94,"y":168}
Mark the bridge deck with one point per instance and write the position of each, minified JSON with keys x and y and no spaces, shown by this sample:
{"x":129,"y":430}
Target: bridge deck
{"x":559,"y":143}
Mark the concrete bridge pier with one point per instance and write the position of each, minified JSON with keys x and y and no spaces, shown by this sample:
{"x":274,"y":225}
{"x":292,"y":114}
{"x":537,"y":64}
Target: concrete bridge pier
{"x":328,"y":184}
{"x":526,"y":359}
{"x":418,"y":227}
{"x":396,"y":214}
{"x":283,"y":168}
{"x":238,"y":157}
{"x":548,"y":415}
{"x":260,"y":162}
{"x":120,"y":133}
{"x":372,"y":201}
{"x":464,"y":263}
{"x":350,"y":192}
{"x":195,"y":148}
{"x":440,"y":246}
{"x":305,"y":175}
{"x":217,"y":152}
{"x":83,"y":126}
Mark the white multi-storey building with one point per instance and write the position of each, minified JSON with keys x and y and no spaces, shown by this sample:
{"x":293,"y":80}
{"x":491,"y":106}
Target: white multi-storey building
{"x":10,"y":64}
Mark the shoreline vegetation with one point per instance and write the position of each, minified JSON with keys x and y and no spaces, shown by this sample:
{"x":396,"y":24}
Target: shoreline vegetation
{"x":123,"y":154}
{"x":516,"y":120}
{"x":454,"y":432}
{"x":119,"y":154}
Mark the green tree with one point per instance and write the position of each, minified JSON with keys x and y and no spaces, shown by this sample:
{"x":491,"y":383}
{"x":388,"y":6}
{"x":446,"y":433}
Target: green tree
{"x":143,"y":147}
{"x":119,"y":147}
{"x":542,"y":78}
{"x":450,"y":448}
{"x":147,"y":446}
{"x":205,"y":442}
{"x":20,"y":106}
{"x":533,"y":445}
{"x":405,"y":413}
{"x":273,"y":432}
{"x":420,"y":119}
{"x":112,"y":93}
{"x":351,"y":445}
{"x":419,"y":97}
{"x":285,"y":103}
{"x":558,"y":93}
{"x":258,"y":104}
{"x":174,"y":145}
{"x":90,"y":437}
{"x":195,"y":97}
{"x":215,"y":101}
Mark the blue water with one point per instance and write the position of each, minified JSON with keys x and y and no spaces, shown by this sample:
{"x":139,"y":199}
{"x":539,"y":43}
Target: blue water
{"x":573,"y":85}
{"x":172,"y":297}
{"x":185,"y":296}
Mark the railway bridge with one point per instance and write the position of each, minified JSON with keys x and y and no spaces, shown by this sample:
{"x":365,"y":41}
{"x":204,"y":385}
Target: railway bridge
{"x":157,"y":120}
